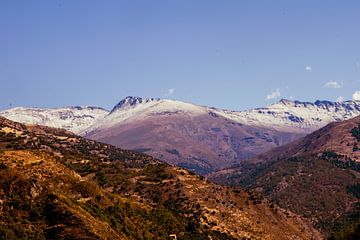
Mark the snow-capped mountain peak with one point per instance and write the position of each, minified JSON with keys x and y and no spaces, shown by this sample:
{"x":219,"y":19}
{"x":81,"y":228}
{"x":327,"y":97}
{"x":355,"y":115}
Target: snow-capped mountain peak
{"x":131,"y":101}
{"x":133,"y":109}
{"x":285,"y":101}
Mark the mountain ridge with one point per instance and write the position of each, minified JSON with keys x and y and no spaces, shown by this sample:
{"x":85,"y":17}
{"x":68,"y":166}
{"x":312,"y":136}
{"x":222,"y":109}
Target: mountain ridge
{"x":348,"y":109}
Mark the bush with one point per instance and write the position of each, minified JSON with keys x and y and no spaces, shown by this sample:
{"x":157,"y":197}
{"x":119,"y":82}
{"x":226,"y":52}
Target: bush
{"x":354,"y":189}
{"x":7,"y":234}
{"x":355,"y":132}
{"x":173,"y":151}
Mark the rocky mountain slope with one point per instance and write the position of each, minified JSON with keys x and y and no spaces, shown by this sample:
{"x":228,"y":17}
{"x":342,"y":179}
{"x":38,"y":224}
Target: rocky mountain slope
{"x":56,"y":185}
{"x":317,"y":176}
{"x":200,"y":138}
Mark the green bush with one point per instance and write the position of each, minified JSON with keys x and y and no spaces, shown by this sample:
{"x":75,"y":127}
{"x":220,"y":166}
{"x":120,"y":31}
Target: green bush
{"x":7,"y":234}
{"x":354,"y":189}
{"x":355,"y":132}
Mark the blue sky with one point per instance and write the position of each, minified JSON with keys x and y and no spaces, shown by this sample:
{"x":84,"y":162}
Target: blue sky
{"x":229,"y":54}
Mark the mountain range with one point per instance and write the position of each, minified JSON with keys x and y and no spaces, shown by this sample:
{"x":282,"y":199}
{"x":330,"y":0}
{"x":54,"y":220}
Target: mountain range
{"x":202,"y":139}
{"x":310,"y":177}
{"x":57,"y":185}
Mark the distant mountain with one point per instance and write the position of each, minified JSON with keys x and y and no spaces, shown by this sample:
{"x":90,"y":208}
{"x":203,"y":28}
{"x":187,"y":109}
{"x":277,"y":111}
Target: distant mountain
{"x":317,"y":176}
{"x":74,"y":119}
{"x":57,"y":185}
{"x":297,"y":116}
{"x":183,"y":134}
{"x":199,"y":138}
{"x":204,"y":139}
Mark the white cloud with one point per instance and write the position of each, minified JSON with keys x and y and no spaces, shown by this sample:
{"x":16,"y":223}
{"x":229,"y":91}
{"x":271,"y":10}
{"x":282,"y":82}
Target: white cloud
{"x":308,"y":68}
{"x":356,"y":95}
{"x":340,"y":99}
{"x":169,"y":92}
{"x":357,"y":65}
{"x":332,"y":84}
{"x":274,"y":94}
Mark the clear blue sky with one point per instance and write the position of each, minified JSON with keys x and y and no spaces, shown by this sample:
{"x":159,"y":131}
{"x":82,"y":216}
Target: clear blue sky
{"x":229,"y":54}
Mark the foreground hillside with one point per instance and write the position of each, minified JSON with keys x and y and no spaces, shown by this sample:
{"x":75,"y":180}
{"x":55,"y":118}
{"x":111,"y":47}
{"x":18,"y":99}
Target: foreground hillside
{"x":56,"y":185}
{"x":317,"y":176}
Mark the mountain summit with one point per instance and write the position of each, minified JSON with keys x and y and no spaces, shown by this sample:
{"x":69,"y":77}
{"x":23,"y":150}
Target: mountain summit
{"x":131,"y":101}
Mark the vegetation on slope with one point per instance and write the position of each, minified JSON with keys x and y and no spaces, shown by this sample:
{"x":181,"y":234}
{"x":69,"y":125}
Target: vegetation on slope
{"x":317,"y":177}
{"x":80,"y":189}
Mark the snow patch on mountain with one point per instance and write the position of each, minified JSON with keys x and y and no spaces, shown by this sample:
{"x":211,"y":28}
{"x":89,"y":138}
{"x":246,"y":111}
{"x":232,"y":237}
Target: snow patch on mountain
{"x":136,"y":109}
{"x":74,"y":119}
{"x":295,"y":115}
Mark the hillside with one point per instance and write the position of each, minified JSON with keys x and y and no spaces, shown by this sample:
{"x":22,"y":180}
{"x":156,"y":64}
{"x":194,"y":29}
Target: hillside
{"x":317,"y":176}
{"x":56,"y":185}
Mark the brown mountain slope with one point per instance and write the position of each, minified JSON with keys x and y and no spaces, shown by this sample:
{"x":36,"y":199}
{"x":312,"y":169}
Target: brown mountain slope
{"x":119,"y":194}
{"x":201,"y":143}
{"x":39,"y":199}
{"x":317,"y":176}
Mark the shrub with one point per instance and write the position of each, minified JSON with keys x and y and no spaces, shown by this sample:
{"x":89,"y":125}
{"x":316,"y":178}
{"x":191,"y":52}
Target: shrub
{"x":354,"y":189}
{"x":173,"y":151}
{"x":355,"y":132}
{"x":6,"y":233}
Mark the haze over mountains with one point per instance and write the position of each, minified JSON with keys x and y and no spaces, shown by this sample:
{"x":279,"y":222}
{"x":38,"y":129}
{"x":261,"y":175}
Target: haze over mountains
{"x":199,"y":138}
